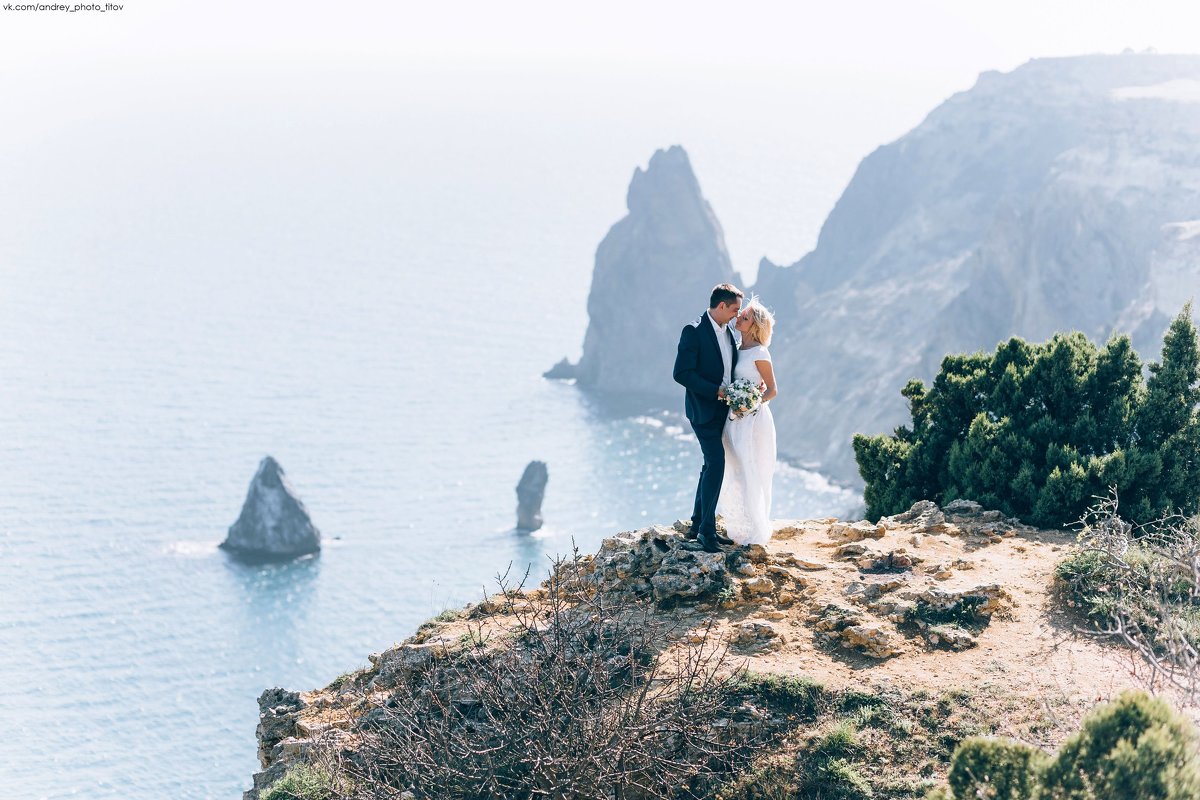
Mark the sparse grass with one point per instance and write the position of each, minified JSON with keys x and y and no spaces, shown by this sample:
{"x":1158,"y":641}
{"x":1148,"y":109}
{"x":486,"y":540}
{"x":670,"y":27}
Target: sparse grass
{"x":471,"y":639}
{"x":449,"y":615}
{"x":346,"y":678}
{"x":854,"y":699}
{"x":842,"y":740}
{"x":842,"y":780}
{"x":301,"y":782}
{"x":728,"y":594}
{"x":784,"y":694}
{"x":856,"y":744}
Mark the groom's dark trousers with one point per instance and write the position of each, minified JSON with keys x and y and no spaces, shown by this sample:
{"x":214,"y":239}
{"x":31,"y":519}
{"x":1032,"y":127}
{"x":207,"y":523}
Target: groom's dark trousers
{"x":700,"y":370}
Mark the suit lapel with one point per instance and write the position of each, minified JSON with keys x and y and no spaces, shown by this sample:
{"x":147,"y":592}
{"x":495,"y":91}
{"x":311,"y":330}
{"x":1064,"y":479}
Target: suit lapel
{"x":712,"y":336}
{"x":712,"y":332}
{"x":733,"y":348}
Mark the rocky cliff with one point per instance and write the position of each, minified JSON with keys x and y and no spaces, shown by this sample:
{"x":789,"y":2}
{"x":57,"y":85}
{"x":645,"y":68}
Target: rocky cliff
{"x":1063,"y":195}
{"x":946,"y":617}
{"x":653,"y":274}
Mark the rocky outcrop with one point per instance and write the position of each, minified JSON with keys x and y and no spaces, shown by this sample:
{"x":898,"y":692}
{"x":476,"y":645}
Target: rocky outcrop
{"x":835,"y":601}
{"x":562,"y":371}
{"x":278,"y":717}
{"x":274,"y":524}
{"x":665,"y":256}
{"x":531,"y":490}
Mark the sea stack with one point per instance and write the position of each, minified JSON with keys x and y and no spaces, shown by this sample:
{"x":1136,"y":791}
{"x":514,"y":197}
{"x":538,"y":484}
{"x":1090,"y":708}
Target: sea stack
{"x":530,"y":492}
{"x":662,"y":259}
{"x":274,"y":525}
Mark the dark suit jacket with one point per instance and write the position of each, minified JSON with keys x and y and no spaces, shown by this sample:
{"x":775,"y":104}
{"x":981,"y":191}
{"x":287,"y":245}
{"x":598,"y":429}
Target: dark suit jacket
{"x":699,"y":368}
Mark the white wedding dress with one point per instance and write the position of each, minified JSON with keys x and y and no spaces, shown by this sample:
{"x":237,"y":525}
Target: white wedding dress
{"x":745,"y":502}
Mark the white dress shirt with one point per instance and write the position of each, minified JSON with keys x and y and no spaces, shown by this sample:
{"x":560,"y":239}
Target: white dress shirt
{"x":726,"y":347}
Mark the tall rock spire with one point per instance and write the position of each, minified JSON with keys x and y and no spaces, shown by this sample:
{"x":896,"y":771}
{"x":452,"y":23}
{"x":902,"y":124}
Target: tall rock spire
{"x":654,"y":271}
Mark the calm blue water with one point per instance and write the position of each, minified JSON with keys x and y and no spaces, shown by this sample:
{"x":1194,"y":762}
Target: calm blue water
{"x":355,"y":283}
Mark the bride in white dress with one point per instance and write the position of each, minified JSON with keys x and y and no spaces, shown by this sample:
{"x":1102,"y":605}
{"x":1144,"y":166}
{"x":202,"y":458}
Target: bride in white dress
{"x":745,"y":502}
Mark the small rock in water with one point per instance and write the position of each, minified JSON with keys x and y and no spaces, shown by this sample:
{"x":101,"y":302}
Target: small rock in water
{"x":530,"y":492}
{"x":274,"y":525}
{"x":562,"y":371}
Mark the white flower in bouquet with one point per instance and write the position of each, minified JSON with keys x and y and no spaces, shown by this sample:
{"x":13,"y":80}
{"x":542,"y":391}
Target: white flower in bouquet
{"x":743,"y":398}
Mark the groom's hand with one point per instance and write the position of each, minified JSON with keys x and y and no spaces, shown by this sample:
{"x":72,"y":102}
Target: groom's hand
{"x":721,"y":393}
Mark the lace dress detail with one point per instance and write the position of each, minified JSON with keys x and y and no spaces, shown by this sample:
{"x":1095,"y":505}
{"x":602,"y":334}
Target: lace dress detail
{"x":745,"y":502}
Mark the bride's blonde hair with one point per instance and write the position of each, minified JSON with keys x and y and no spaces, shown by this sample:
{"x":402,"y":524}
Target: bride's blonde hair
{"x":762,"y":321}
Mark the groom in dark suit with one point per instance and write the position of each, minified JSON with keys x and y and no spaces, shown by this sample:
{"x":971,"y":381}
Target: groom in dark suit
{"x":703,"y":365}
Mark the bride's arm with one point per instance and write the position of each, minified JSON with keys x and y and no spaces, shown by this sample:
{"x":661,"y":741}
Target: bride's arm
{"x":768,"y":375}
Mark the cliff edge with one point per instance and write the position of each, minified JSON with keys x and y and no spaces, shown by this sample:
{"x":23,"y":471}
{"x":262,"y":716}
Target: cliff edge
{"x":948,"y":618}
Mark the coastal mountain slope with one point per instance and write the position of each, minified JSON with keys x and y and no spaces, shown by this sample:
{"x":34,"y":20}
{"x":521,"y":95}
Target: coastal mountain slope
{"x":1063,"y":195}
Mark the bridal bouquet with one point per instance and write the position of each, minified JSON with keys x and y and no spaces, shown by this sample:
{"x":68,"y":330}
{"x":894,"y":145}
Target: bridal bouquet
{"x":743,"y":398}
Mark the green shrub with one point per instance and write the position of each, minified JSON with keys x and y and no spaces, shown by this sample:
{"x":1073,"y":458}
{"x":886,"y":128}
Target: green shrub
{"x":785,"y":694}
{"x":840,"y":780}
{"x":996,"y":769}
{"x":302,"y":782}
{"x":1135,"y":747}
{"x":1037,"y":430}
{"x":841,"y":740}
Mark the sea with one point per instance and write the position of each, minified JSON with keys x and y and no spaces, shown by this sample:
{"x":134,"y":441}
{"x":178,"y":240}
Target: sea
{"x":361,"y":270}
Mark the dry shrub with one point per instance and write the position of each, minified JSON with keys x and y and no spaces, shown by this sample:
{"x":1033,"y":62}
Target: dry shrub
{"x":583,"y":695}
{"x":1141,"y":585}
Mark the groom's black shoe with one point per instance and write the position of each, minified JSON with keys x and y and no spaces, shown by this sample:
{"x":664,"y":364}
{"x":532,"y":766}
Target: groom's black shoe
{"x":709,"y":542}
{"x":691,"y":536}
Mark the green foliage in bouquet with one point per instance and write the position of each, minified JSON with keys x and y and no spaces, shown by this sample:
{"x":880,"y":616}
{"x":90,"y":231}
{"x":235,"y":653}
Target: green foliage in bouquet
{"x":1134,"y":747}
{"x":1038,"y":430}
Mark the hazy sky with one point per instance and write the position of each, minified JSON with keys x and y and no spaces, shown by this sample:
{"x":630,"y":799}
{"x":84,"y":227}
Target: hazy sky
{"x":914,"y":36}
{"x":776,"y":101}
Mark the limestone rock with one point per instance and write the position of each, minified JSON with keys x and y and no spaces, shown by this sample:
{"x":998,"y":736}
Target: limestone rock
{"x":802,"y":563}
{"x":530,"y":491}
{"x":865,"y":593}
{"x":924,"y":517}
{"x":897,"y":560}
{"x":278,"y":710}
{"x":668,"y":252}
{"x":759,"y":586}
{"x":755,"y":635}
{"x":688,"y":573}
{"x":979,"y":601}
{"x":834,"y":618}
{"x":274,"y":524}
{"x":963,"y":508}
{"x":851,"y":550}
{"x":950,"y":636}
{"x":756,"y":553}
{"x":854,"y":531}
{"x":657,"y":562}
{"x":870,"y":640}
